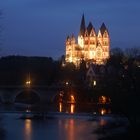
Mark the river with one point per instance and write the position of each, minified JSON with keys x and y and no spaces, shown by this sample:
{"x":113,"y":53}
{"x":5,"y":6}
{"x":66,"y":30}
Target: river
{"x":63,"y":124}
{"x":59,"y":128}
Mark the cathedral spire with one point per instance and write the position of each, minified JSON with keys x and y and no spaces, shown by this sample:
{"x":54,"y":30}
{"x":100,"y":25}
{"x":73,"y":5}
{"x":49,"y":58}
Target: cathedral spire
{"x":103,"y":28}
{"x":82,"y":27}
{"x":90,"y":27}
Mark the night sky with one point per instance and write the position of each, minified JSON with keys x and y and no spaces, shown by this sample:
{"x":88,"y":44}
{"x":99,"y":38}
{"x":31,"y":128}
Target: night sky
{"x":40,"y":27}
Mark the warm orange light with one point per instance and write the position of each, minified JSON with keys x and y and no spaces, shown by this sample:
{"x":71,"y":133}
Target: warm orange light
{"x":103,"y":111}
{"x":89,"y":47}
{"x":28,"y":129}
{"x":72,"y":107}
{"x":28,"y":83}
{"x":72,"y":99}
{"x":94,"y":83}
{"x":60,"y":107}
{"x":70,"y":59}
{"x":102,"y":100}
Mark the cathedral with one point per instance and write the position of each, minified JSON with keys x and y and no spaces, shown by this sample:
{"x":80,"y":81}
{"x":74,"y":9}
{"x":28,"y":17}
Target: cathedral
{"x":91,"y":47}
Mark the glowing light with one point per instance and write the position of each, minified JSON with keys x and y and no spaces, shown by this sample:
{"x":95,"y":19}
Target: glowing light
{"x":28,"y":129}
{"x":28,"y":82}
{"x":67,"y":83}
{"x":94,"y":83}
{"x":81,"y":41}
{"x":60,"y":107}
{"x":88,"y":46}
{"x":72,"y":108}
{"x":91,"y":55}
{"x":28,"y":110}
{"x":102,"y":100}
{"x":70,"y":59}
{"x":103,"y":111}
{"x":72,"y":99}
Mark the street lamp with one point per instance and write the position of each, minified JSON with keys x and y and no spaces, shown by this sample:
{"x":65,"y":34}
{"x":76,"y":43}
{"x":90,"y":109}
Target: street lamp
{"x":28,"y":81}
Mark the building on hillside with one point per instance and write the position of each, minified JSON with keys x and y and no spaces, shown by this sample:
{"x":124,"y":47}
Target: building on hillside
{"x":95,"y":75}
{"x":91,"y":47}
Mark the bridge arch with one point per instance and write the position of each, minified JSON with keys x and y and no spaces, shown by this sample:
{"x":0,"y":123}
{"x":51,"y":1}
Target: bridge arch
{"x":29,"y":96}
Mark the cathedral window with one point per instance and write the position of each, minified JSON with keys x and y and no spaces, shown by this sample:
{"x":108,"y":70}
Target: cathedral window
{"x":105,"y":43}
{"x":92,"y":42}
{"x":91,"y":34}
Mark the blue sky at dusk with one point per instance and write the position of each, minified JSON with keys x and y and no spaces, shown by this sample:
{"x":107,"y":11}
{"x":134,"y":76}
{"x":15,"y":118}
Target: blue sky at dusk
{"x":40,"y":27}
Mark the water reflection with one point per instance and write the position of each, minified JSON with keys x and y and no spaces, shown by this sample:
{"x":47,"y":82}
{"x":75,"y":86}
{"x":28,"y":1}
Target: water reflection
{"x":67,"y":126}
{"x":72,"y":108}
{"x":28,"y":129}
{"x":71,"y":130}
{"x":102,"y":122}
{"x":68,"y":108}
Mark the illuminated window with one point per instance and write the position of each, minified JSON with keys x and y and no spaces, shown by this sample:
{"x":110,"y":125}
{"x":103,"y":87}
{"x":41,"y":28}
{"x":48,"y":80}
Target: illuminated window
{"x":105,"y":43}
{"x":94,"y":83}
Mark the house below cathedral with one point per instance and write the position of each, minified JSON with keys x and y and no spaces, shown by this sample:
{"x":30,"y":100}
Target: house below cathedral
{"x":91,"y":47}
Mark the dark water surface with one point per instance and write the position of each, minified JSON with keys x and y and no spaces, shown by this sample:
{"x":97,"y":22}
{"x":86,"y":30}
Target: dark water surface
{"x":65,"y":123}
{"x":59,"y":128}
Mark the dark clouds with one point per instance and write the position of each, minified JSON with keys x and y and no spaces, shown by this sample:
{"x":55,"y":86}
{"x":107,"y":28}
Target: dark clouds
{"x":39,"y":27}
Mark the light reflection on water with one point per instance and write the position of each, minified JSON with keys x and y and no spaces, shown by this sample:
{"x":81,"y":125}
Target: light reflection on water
{"x":54,"y":129}
{"x":28,"y":129}
{"x":71,"y":109}
{"x":69,"y":129}
{"x":68,"y":108}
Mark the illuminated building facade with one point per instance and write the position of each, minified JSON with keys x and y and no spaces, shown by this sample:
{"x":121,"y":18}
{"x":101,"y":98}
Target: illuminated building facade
{"x":91,"y":47}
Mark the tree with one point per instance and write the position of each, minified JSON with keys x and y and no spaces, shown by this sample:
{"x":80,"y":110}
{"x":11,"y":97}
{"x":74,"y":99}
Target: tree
{"x":117,"y":52}
{"x":116,"y":57}
{"x":133,"y":52}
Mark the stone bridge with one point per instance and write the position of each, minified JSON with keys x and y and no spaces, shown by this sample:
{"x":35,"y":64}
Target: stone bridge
{"x":47,"y":93}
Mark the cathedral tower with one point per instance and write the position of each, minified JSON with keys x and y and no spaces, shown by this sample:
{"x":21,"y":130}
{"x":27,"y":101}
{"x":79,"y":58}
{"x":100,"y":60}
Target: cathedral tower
{"x":90,"y":47}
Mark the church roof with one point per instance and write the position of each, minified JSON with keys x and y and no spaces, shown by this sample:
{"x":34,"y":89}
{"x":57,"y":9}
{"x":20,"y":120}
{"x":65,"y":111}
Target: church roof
{"x":72,"y":36}
{"x":90,"y":27}
{"x":82,"y":26}
{"x":68,"y":38}
{"x":103,"y":28}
